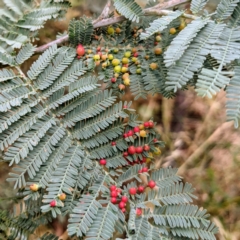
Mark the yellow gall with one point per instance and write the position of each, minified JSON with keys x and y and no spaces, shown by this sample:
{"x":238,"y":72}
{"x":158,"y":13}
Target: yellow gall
{"x":110,"y":57}
{"x":104,"y":57}
{"x":153,"y":66}
{"x":146,"y":57}
{"x":34,"y":187}
{"x":110,"y":30}
{"x":158,"y":38}
{"x":62,"y":196}
{"x":134,"y":59}
{"x":125,"y":76}
{"x":172,"y":30}
{"x":125,"y":61}
{"x":182,"y":26}
{"x":96,"y":57}
{"x":143,"y":133}
{"x":124,"y":69}
{"x":139,"y":71}
{"x":127,"y":54}
{"x":115,"y":62}
{"x":158,"y":51}
{"x":126,"y":81}
{"x":118,"y":30}
{"x":117,"y":69}
{"x":157,"y":151}
{"x":115,"y":50}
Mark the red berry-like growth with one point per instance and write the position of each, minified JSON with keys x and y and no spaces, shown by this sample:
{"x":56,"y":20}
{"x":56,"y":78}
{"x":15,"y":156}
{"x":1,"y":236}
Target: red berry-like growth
{"x":113,"y":200}
{"x":151,"y":184}
{"x":135,"y":54}
{"x":113,"y":143}
{"x":123,"y":210}
{"x":53,"y":203}
{"x":125,"y":154}
{"x":130,"y":133}
{"x":144,"y":169}
{"x":139,"y":149}
{"x":122,"y":205}
{"x":141,"y":189}
{"x":136,"y":129}
{"x":131,"y":150}
{"x":113,"y":80}
{"x":124,"y":199}
{"x":132,"y":191}
{"x":146,"y":147}
{"x":113,"y":187}
{"x":146,"y":124}
{"x":139,"y":211}
{"x":80,"y":50}
{"x":119,"y":190}
{"x":151,"y":124}
{"x":114,"y":193}
{"x":103,"y":162}
{"x":125,"y":135}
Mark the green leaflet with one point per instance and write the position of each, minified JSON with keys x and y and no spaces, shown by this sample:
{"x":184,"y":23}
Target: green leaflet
{"x":233,"y":98}
{"x":129,"y":9}
{"x":197,"y":5}
{"x":160,"y":24}
{"x":80,"y":31}
{"x":225,"y":8}
{"x":194,"y":57}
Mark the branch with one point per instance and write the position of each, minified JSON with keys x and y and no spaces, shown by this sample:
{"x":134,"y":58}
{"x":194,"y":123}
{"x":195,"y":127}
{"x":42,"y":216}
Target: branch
{"x":217,"y":134}
{"x":170,"y":4}
{"x":101,"y":22}
{"x":104,"y":13}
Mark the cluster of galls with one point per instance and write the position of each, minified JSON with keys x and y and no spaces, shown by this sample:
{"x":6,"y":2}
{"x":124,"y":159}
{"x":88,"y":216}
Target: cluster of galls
{"x":122,"y":200}
{"x":140,"y":189}
{"x":139,"y":130}
{"x":142,"y":153}
{"x":111,"y":30}
{"x":116,"y":198}
{"x":120,"y":66}
{"x":35,"y":187}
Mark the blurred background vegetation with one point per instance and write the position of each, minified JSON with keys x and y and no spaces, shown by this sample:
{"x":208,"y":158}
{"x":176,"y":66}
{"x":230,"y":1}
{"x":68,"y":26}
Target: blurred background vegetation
{"x":198,"y":140}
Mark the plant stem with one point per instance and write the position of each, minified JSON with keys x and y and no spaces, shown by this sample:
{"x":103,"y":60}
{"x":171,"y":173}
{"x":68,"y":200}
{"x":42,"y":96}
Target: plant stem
{"x":101,"y":21}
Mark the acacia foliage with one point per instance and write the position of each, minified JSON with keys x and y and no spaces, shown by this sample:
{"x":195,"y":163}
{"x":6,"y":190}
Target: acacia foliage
{"x":57,"y":123}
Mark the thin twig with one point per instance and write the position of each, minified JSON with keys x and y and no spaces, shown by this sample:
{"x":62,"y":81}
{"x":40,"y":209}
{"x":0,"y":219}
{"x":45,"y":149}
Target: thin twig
{"x":160,"y":12}
{"x":170,"y":4}
{"x":156,"y":10}
{"x":104,"y":13}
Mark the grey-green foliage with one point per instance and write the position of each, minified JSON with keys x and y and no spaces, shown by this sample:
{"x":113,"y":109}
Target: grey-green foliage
{"x":129,"y":9}
{"x":182,"y":41}
{"x":198,"y":5}
{"x":191,"y":222}
{"x":160,"y":24}
{"x":233,"y":98}
{"x":225,"y":8}
{"x":21,"y":20}
{"x":193,"y":58}
{"x":106,"y":217}
{"x":80,"y":31}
